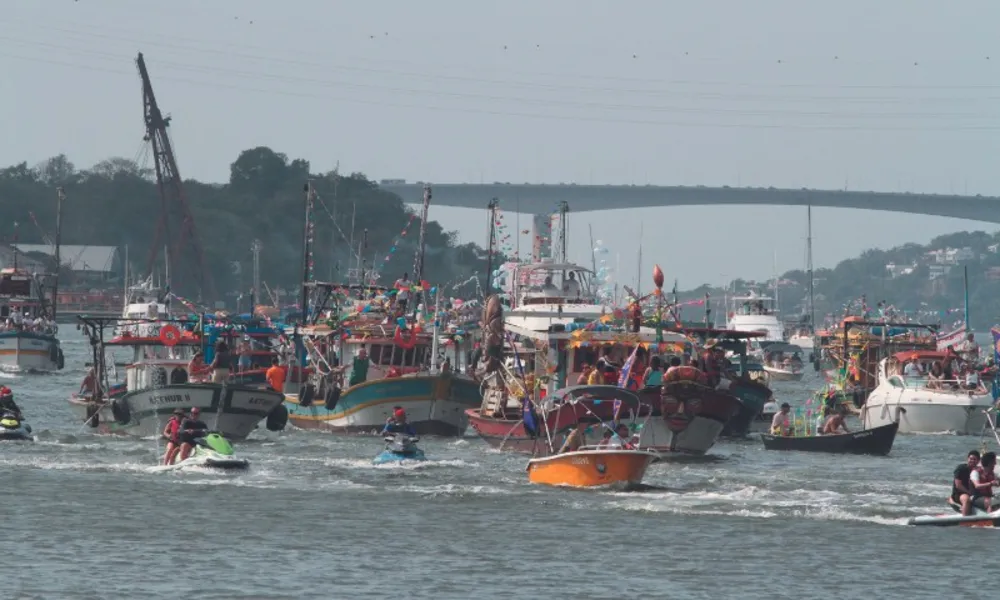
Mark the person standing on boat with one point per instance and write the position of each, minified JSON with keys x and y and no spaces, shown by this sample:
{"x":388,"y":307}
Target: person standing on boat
{"x":571,"y":287}
{"x":402,"y":286}
{"x":221,"y":363}
{"x":276,"y":376}
{"x":243,"y":351}
{"x":982,"y":480}
{"x":359,"y":369}
{"x":970,"y":349}
{"x":653,"y":377}
{"x":196,"y":368}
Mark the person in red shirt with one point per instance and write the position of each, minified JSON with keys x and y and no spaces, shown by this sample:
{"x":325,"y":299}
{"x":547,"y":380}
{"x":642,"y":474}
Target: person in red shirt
{"x":610,"y":375}
{"x":172,"y":434}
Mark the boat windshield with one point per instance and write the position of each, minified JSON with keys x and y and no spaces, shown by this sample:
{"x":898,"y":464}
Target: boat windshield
{"x":15,"y":286}
{"x":754,"y":304}
{"x":157,"y":352}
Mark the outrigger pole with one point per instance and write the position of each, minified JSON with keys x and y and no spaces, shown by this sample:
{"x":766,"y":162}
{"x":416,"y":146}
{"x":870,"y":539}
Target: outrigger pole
{"x":491,"y":240}
{"x":307,"y":249}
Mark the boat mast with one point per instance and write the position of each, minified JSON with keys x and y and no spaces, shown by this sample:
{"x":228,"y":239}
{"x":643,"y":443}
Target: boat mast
{"x":15,"y":245}
{"x":491,"y":240}
{"x":809,"y":266}
{"x":255,"y":248}
{"x":966,"y":280}
{"x":60,"y":196}
{"x":418,"y":259}
{"x":307,"y":236}
{"x":593,"y":251}
{"x":563,"y":209}
{"x":638,"y":273}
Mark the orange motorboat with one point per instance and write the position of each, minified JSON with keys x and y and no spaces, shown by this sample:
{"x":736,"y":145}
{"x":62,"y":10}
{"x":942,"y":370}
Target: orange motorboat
{"x":592,"y":467}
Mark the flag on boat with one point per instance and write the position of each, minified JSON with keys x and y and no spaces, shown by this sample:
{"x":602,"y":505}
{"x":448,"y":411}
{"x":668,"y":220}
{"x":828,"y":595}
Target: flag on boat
{"x":996,"y":361}
{"x":527,"y":406}
{"x":623,"y":377}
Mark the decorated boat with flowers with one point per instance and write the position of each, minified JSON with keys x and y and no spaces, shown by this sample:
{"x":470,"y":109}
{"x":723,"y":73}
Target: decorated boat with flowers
{"x":160,"y":377}
{"x":368,"y":359}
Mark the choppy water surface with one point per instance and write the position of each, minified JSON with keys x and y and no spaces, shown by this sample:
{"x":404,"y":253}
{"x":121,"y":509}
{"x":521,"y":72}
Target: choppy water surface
{"x":87,"y":517}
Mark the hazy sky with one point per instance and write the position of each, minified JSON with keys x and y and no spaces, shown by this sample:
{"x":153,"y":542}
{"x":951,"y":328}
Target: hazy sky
{"x":888,"y":95}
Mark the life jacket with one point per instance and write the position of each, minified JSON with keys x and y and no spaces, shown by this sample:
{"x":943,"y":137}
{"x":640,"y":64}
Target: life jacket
{"x":985,"y":477}
{"x":174,"y":429}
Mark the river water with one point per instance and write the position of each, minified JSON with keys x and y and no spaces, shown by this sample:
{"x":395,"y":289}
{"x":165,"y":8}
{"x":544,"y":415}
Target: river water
{"x":88,"y":517}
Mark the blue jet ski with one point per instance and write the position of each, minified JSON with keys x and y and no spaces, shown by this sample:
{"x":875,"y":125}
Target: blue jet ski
{"x":399,"y":448}
{"x":13,"y":428}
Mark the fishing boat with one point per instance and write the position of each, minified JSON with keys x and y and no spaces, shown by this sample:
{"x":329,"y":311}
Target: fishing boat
{"x":783,"y":362}
{"x":591,"y":467}
{"x":877,"y":441}
{"x":28,"y":333}
{"x":158,"y":379}
{"x":927,"y":406}
{"x":365,"y":365}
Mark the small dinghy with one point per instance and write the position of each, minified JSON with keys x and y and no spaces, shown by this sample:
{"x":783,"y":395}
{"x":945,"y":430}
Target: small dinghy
{"x":14,"y":429}
{"x":212,"y":451}
{"x":589,"y":466}
{"x":978,"y":518}
{"x":877,"y":441}
{"x":400,"y":448}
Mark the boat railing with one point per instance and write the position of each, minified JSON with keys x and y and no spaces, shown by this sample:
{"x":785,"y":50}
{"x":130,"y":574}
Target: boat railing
{"x":940,"y":385}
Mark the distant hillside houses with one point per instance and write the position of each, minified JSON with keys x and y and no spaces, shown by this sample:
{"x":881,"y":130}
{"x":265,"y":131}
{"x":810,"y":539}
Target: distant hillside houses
{"x":939,"y":262}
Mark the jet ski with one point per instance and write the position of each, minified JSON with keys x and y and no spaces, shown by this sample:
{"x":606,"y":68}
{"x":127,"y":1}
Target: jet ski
{"x":13,"y":428}
{"x":399,"y":448}
{"x":214,"y":451}
{"x":978,"y":518}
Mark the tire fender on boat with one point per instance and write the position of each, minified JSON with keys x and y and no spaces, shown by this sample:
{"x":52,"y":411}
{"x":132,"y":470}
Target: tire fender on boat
{"x":307,"y":395}
{"x":332,"y":397}
{"x":119,"y":408}
{"x":277,"y":418}
{"x":93,"y":415}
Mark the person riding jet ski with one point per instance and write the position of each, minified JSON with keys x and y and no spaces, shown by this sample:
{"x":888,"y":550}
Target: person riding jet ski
{"x":398,"y":424}
{"x":7,"y":402}
{"x":192,"y":428}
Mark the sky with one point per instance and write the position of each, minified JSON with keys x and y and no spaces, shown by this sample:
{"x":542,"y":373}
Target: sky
{"x":899,"y":95}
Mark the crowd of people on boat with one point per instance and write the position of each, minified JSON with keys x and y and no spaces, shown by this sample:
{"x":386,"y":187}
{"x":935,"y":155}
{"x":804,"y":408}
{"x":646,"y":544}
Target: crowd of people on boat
{"x":955,"y":370}
{"x":615,"y":436}
{"x":973,"y":482}
{"x":830,"y":420}
{"x":23,"y":320}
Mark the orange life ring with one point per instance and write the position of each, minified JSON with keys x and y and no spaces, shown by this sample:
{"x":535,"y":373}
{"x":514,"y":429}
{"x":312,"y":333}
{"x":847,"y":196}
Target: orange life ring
{"x":405,"y":344}
{"x":684,"y":373}
{"x":170,"y":335}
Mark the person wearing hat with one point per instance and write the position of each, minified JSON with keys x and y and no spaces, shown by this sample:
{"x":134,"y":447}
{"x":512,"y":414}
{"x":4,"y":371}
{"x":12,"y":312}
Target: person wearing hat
{"x":398,"y":424}
{"x":7,"y":401}
{"x":710,"y":362}
{"x":913,"y":368}
{"x":171,"y":433}
{"x":192,"y":428}
{"x":782,"y":423}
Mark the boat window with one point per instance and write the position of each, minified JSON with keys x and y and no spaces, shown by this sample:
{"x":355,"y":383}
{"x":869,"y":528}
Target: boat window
{"x":17,"y":286}
{"x":375,"y":354}
{"x":896,"y":381}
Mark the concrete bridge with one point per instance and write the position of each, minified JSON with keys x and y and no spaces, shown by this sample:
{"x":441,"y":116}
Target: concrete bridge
{"x":543,"y":198}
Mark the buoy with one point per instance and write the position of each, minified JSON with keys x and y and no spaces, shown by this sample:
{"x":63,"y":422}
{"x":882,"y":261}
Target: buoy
{"x":170,"y":335}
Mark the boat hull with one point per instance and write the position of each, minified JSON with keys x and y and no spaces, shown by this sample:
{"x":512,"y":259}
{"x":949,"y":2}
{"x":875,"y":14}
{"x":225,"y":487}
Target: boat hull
{"x":233,"y":411}
{"x":921,"y":415}
{"x":21,"y":433}
{"x":591,"y":468}
{"x":754,"y":396}
{"x":783,"y":375}
{"x":690,"y":419}
{"x":434,"y":404}
{"x":876,"y":441}
{"x":27,"y":351}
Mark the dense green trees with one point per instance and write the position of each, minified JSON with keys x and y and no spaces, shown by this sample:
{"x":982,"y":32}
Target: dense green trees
{"x":117,"y":203}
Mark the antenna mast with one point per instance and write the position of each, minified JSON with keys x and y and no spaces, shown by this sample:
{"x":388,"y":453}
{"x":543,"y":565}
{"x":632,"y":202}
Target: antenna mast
{"x":491,"y":235}
{"x":418,"y":259}
{"x":174,"y":211}
{"x":809,"y":264}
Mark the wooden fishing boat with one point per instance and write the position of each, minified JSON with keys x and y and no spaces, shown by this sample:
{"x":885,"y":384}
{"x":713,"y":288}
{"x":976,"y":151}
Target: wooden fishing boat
{"x":877,"y":440}
{"x":592,"y":467}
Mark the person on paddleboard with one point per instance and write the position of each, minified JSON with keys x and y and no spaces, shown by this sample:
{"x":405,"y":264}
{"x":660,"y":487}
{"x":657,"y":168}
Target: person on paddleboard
{"x":983,"y":480}
{"x":192,"y":428}
{"x":961,"y":486}
{"x":172,"y":433}
{"x":398,"y":424}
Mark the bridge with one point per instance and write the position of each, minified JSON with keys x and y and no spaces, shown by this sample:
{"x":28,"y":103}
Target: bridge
{"x":543,"y":198}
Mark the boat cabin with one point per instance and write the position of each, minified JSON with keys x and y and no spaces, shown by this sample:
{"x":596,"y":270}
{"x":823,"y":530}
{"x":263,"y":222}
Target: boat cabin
{"x":753,"y":303}
{"x":21,"y":299}
{"x":549,"y":283}
{"x":150,"y":362}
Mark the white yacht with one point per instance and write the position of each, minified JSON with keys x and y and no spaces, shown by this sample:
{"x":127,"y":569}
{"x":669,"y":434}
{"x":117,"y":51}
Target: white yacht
{"x":756,"y":312}
{"x":923,"y":406}
{"x":803,"y":338}
{"x":544,"y":294}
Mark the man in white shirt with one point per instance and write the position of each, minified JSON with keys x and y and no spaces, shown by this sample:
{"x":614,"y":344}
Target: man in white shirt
{"x":913,"y":368}
{"x":402,"y":286}
{"x":970,"y":349}
{"x":572,"y":286}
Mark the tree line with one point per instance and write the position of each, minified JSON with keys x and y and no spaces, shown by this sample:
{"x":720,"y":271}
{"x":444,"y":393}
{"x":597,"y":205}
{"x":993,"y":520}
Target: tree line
{"x":116,"y":202}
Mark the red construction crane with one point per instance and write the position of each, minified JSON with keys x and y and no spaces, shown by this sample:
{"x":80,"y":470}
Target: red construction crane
{"x":176,"y":224}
